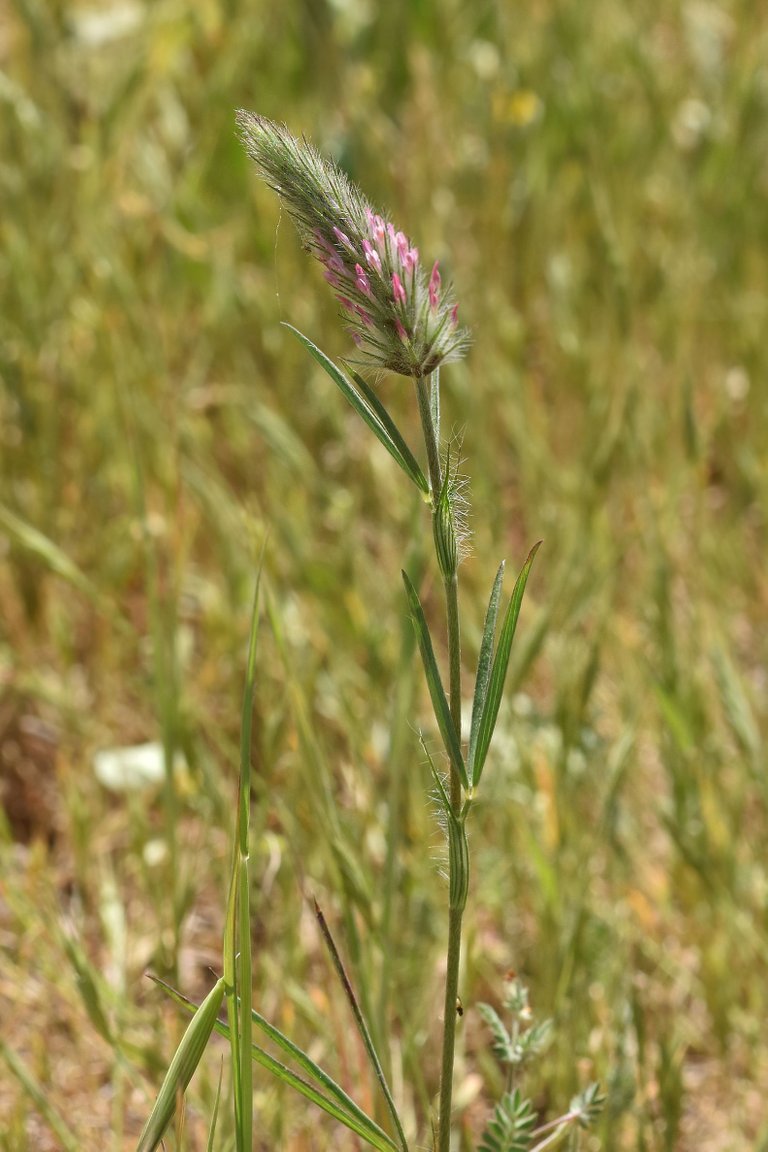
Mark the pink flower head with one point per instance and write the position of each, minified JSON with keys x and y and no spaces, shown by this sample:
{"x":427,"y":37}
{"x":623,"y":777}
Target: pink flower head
{"x":410,"y":259}
{"x":401,"y":316}
{"x":371,"y":256}
{"x":343,"y":239}
{"x":362,"y":281}
{"x":434,"y":287}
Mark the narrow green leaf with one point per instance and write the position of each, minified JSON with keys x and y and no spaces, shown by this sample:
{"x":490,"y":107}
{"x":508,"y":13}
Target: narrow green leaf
{"x":351,"y":1116}
{"x":231,"y":924}
{"x":182,"y":1067}
{"x":243,"y":1085}
{"x":445,"y":802}
{"x":490,"y":712}
{"x":237,"y":934}
{"x":345,"y":1102}
{"x":337,"y":1103}
{"x":246,"y":723}
{"x":434,"y":683}
{"x":371,"y":410}
{"x":406,"y":459}
{"x":484,"y":668}
{"x":362,"y":1026}
{"x":215,"y":1113}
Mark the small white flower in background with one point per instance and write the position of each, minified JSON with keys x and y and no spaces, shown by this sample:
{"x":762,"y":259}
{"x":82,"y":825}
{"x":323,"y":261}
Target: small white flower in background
{"x":132,"y":769}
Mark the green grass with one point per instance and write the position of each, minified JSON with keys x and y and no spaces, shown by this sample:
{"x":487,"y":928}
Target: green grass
{"x":594,"y":179}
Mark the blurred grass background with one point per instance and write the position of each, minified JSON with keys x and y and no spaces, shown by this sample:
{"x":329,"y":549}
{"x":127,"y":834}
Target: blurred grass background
{"x":594,"y":178}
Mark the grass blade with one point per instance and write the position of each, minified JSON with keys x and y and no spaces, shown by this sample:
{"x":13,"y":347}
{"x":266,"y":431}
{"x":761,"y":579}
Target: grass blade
{"x":182,"y":1067}
{"x":370,"y":408}
{"x":490,"y":712}
{"x":484,"y":668}
{"x":362,"y":1027}
{"x":334,"y":1100}
{"x":241,"y":942}
{"x":406,"y":459}
{"x":434,"y":683}
{"x":215,"y":1113}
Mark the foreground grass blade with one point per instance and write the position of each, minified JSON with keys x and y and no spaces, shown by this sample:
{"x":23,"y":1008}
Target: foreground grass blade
{"x":370,"y":408}
{"x":237,"y":940}
{"x":484,"y":668}
{"x":362,"y":1027}
{"x":436,"y":691}
{"x":215,"y":1113}
{"x":490,"y":711}
{"x":182,"y":1067}
{"x":336,"y":1103}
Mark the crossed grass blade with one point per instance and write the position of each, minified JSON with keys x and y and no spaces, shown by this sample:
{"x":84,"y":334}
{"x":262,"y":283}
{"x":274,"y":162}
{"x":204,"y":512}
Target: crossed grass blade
{"x":362,"y":1026}
{"x":182,"y":1068}
{"x":333,"y":1100}
{"x":367,"y":404}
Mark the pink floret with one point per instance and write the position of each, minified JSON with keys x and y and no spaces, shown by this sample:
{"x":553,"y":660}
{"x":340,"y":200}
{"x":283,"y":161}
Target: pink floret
{"x":397,"y":289}
{"x":434,"y":287}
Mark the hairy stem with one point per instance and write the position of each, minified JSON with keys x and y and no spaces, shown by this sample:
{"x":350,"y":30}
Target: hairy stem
{"x":430,"y":437}
{"x":456,"y":911}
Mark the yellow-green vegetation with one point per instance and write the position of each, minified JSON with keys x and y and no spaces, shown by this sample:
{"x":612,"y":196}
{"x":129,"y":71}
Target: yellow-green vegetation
{"x":593,"y":178}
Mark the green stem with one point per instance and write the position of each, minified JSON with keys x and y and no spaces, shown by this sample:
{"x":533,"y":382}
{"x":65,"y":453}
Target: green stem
{"x":454,"y":673}
{"x":455,"y":912}
{"x":449,"y":1028}
{"x":430,"y":437}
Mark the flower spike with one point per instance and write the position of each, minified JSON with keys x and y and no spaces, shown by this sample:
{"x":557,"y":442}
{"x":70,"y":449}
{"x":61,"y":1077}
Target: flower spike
{"x":398,"y":319}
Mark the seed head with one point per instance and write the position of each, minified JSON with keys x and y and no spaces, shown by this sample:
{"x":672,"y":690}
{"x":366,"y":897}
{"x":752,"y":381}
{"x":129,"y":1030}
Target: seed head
{"x":399,"y":319}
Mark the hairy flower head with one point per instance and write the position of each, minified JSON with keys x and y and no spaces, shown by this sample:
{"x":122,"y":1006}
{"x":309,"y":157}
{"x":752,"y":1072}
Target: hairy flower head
{"x":399,"y":318}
